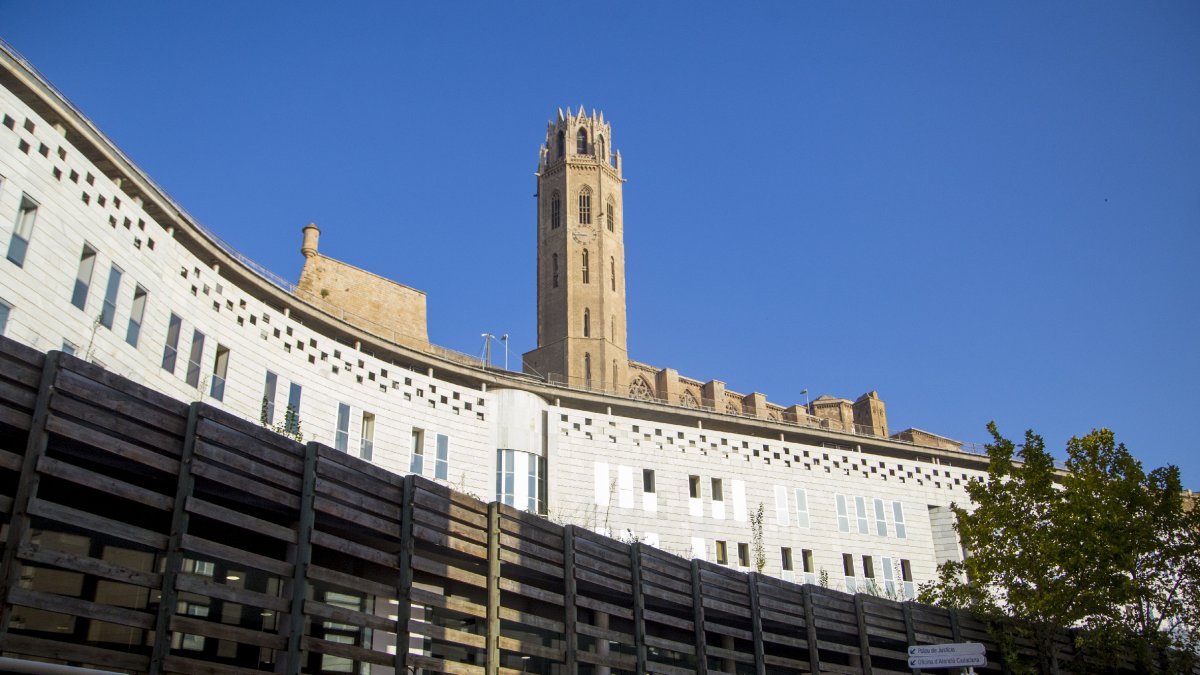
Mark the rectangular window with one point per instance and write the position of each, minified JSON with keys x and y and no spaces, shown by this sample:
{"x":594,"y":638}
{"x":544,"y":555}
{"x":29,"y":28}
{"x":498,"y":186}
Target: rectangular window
{"x":842,"y":517}
{"x":781,"y":505}
{"x":694,"y":487}
{"x":341,"y":436}
{"x":537,"y":483}
{"x":648,"y":481}
{"x":718,"y":492}
{"x":722,"y":554}
{"x":802,"y":507}
{"x":860,"y":507}
{"x":193,"y":367}
{"x":109,"y":310}
{"x":291,"y":416}
{"x":137,"y":311}
{"x":786,"y":554}
{"x":220,"y":372}
{"x":171,"y":348}
{"x":68,"y":348}
{"x":441,"y":464}
{"x":366,"y":446}
{"x":416,"y":463}
{"x":5,"y":310}
{"x":889,"y":579}
{"x":744,"y":554}
{"x":806,"y":559}
{"x":268,"y":403}
{"x":880,"y":519}
{"x":848,"y":573}
{"x":868,"y":567}
{"x":907,"y":577}
{"x":898,"y":518}
{"x":83,"y":277}
{"x":22,"y":231}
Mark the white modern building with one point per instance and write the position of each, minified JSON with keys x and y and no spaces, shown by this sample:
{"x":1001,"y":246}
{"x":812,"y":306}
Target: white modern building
{"x":99,"y":261}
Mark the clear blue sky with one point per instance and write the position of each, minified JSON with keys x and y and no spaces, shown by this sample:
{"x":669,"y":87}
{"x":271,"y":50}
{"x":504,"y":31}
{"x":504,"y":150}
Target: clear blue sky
{"x":981,"y":210}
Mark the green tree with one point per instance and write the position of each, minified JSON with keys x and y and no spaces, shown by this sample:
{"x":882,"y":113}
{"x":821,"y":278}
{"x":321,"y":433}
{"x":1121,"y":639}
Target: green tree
{"x":1103,"y":546}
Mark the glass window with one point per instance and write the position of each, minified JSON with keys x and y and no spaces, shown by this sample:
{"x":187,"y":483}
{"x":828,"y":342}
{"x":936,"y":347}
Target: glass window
{"x":842,"y":517}
{"x":718,"y":492}
{"x":5,"y":310}
{"x":193,"y":366}
{"x":785,"y":554}
{"x":585,"y":207}
{"x":137,"y":311}
{"x":744,"y":554}
{"x":581,"y":142}
{"x":612,"y":272}
{"x":83,"y":277}
{"x":367,"y":442}
{"x":22,"y":230}
{"x":341,"y":436}
{"x":171,"y":348}
{"x":907,"y":577}
{"x":610,"y":214}
{"x":802,"y":507}
{"x":584,"y":269}
{"x":889,"y":579}
{"x":555,"y":210}
{"x":554,"y":258}
{"x":109,"y":311}
{"x":220,"y":372}
{"x":880,"y":519}
{"x":562,"y":143}
{"x":416,"y":463}
{"x":860,"y":507}
{"x":648,"y":481}
{"x":694,"y":487}
{"x":441,"y":465}
{"x":521,"y":480}
{"x":587,"y":323}
{"x":722,"y":553}
{"x":898,"y":518}
{"x":291,"y":416}
{"x":848,"y":573}
{"x":268,"y":402}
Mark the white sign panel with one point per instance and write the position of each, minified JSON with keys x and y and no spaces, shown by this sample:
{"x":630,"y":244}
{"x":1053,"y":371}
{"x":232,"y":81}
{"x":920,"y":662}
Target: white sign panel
{"x":947,"y":656}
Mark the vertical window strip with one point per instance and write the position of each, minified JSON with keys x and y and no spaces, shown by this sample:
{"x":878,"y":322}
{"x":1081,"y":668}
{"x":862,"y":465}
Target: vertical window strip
{"x":109,"y":311}
{"x":585,"y":272}
{"x":137,"y":312}
{"x":366,"y":445}
{"x":842,"y":517}
{"x":848,"y":573}
{"x":267,"y":416}
{"x":5,"y":311}
{"x":881,"y":527}
{"x":416,"y":463}
{"x":83,"y":277}
{"x":22,"y":231}
{"x":802,"y":508}
{"x":220,"y":372}
{"x":860,"y":508}
{"x":171,"y":347}
{"x":291,"y":416}
{"x":898,"y":519}
{"x":193,"y":366}
{"x":889,"y":579}
{"x":441,"y":466}
{"x":341,"y":437}
{"x":781,"y":505}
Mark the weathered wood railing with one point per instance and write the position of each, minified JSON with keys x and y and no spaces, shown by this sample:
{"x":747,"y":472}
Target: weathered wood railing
{"x":143,"y":534}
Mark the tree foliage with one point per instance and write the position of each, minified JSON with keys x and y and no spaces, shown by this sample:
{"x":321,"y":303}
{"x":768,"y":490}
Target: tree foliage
{"x":1104,"y":547}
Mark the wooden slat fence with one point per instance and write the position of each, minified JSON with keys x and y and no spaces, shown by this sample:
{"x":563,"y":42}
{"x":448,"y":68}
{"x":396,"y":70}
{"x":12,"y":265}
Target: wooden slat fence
{"x":146,"y":535}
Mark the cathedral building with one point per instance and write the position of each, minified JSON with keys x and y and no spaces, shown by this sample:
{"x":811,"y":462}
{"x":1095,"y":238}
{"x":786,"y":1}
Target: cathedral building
{"x":100,"y":262}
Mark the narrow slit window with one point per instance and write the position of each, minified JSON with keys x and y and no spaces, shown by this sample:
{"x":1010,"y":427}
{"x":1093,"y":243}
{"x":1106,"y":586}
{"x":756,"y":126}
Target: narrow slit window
{"x":554,"y":268}
{"x":881,"y":527}
{"x":22,"y":231}
{"x":555,"y":210}
{"x":587,"y":323}
{"x":907,"y":577}
{"x":220,"y":372}
{"x":584,"y":270}
{"x":585,"y":207}
{"x":802,"y":508}
{"x":581,"y":142}
{"x":889,"y":579}
{"x":898,"y":519}
{"x":860,"y":508}
{"x":610,"y":215}
{"x":341,"y":438}
{"x":5,"y":311}
{"x":366,"y":446}
{"x":109,"y":311}
{"x":83,"y":277}
{"x":193,"y":366}
{"x":718,"y":492}
{"x":137,"y":312}
{"x":416,"y":463}
{"x":612,"y":272}
{"x":722,"y":553}
{"x":267,"y":415}
{"x":171,"y":347}
{"x":843,"y":518}
{"x":648,"y":481}
{"x":441,"y":465}
{"x":291,"y":416}
{"x":743,"y":554}
{"x":694,"y":487}
{"x":848,"y":573}
{"x":785,"y":555}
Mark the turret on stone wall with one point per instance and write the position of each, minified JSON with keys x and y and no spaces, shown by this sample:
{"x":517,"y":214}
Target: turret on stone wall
{"x":870,"y":415}
{"x":839,"y":412}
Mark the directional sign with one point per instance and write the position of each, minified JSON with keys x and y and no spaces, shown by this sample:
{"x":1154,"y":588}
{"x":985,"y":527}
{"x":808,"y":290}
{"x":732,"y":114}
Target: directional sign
{"x":947,"y":656}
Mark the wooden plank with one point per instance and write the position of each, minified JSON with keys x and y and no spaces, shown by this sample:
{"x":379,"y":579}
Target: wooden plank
{"x":597,"y":605}
{"x":530,"y":548}
{"x":698,"y":620}
{"x":440,"y":522}
{"x":173,"y":565}
{"x":530,"y":649}
{"x":446,"y":571}
{"x":83,"y":609}
{"x":360,"y":520}
{"x":200,"y":507}
{"x":404,"y":580}
{"x":864,"y":639}
{"x":608,"y":583}
{"x":192,"y":583}
{"x":378,"y":508}
{"x":639,"y":606}
{"x":760,"y":667}
{"x":87,"y":521}
{"x":321,"y":610}
{"x":444,"y":634}
{"x":435,"y":665}
{"x":570,"y":611}
{"x":218,"y":427}
{"x":79,"y":476}
{"x":56,"y":650}
{"x":603,"y":550}
{"x":527,"y":564}
{"x":810,"y":627}
{"x":92,"y":566}
{"x":440,"y":538}
{"x":351,"y":548}
{"x":102,"y":442}
{"x":186,"y":666}
{"x":352,"y":652}
{"x":15,"y":418}
{"x":212,"y":549}
{"x":529,"y":591}
{"x":228,"y":479}
{"x":492,"y":657}
{"x":533,"y":620}
{"x":668,"y":620}
{"x":349,"y":582}
{"x":359,"y":474}
{"x":297,"y":588}
{"x":224,"y":631}
{"x":119,"y":395}
{"x":663,"y":643}
{"x":453,"y":604}
{"x":449,"y":508}
{"x":260,"y":470}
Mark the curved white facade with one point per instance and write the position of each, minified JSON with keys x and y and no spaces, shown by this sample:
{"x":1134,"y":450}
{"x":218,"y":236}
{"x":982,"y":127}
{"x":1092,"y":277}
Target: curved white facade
{"x":73,"y":209}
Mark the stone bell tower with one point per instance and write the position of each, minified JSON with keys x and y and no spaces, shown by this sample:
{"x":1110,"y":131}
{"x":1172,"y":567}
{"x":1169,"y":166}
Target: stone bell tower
{"x":581,"y":257}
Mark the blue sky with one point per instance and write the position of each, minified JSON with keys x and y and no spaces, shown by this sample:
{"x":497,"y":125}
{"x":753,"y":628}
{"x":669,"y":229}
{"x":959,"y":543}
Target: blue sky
{"x":981,"y":210}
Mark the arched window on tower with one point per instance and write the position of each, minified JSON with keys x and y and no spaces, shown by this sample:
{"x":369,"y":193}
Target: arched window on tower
{"x":555,"y":210}
{"x":610,"y":213}
{"x":581,"y":142}
{"x":587,"y":323}
{"x":586,"y":275}
{"x":612,"y":272}
{"x":555,"y":268}
{"x":562,"y":143}
{"x":587,"y":370}
{"x":600,"y":147}
{"x":585,"y":206}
